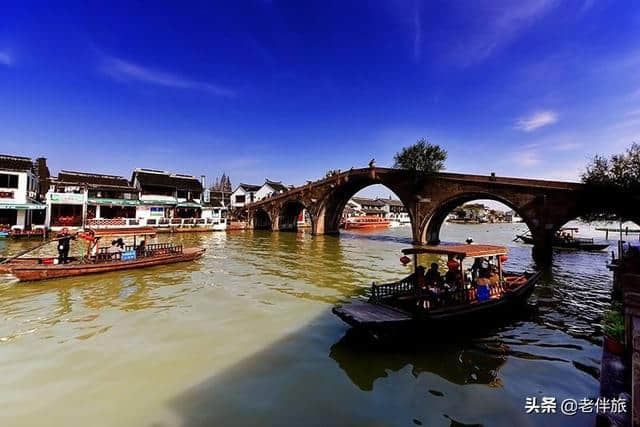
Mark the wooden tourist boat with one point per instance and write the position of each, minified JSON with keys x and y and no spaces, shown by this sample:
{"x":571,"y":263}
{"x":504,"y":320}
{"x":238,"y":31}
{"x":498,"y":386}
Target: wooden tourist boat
{"x":99,"y":259}
{"x":365,"y":222}
{"x":474,"y":292}
{"x":565,"y":239}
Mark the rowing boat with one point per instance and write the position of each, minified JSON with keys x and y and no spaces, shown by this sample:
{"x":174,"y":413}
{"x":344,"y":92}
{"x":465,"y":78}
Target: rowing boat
{"x":38,"y":271}
{"x":101,"y":259}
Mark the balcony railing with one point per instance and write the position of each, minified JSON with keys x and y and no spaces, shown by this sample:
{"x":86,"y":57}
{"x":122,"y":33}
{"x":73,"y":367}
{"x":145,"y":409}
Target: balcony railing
{"x":104,"y":223}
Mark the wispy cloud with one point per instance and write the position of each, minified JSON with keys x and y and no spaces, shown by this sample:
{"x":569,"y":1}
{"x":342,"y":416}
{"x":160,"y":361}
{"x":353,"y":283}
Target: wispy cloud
{"x":527,"y":158}
{"x":497,"y":27}
{"x":417,"y":33}
{"x":536,"y":120}
{"x":128,"y":71}
{"x":5,"y":58}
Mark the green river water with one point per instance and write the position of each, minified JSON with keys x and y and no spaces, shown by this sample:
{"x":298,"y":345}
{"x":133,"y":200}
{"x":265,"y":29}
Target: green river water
{"x":245,"y":336}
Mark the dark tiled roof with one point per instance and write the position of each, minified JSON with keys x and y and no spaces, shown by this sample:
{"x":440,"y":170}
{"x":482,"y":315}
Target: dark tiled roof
{"x":391,"y":202}
{"x":276,"y":185}
{"x":249,"y":187}
{"x":94,"y":180}
{"x":16,"y":163}
{"x":368,"y":202}
{"x":165,"y":179}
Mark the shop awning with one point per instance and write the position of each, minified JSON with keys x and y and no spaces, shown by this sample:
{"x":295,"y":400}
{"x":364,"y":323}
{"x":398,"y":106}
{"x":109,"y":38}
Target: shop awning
{"x":158,"y":202}
{"x":23,"y":206}
{"x":112,"y":202}
{"x":189,"y":205}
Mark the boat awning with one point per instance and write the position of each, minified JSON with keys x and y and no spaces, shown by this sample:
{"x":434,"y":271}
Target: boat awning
{"x":473,"y":251}
{"x":189,"y":205}
{"x":112,"y":202}
{"x":122,"y":232}
{"x":23,"y":206}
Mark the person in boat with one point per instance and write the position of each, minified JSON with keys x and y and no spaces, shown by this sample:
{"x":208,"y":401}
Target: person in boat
{"x":432,"y":277}
{"x":141,"y":248}
{"x":481,"y":268}
{"x":64,"y":242}
{"x":452,"y":278}
{"x":116,"y":247}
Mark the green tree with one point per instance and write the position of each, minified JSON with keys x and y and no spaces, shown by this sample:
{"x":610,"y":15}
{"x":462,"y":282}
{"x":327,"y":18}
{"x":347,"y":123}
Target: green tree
{"x":618,"y":173}
{"x":421,"y":156}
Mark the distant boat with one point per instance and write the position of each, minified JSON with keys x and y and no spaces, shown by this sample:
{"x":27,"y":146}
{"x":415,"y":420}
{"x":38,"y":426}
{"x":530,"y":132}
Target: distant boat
{"x":366,"y":222}
{"x":565,"y":239}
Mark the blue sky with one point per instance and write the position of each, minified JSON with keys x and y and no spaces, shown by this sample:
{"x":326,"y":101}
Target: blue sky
{"x":276,"y":89}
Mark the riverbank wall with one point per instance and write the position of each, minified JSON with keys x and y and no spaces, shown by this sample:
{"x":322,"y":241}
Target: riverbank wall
{"x":620,"y":374}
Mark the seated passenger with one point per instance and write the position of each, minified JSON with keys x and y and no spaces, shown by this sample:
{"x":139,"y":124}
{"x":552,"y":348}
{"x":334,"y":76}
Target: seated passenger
{"x":452,"y":279}
{"x":432,"y":277}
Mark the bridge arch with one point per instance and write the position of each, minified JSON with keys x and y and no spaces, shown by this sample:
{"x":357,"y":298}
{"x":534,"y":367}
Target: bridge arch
{"x":430,"y":228}
{"x":289,"y":213}
{"x":330,"y":208}
{"x":262,"y":220}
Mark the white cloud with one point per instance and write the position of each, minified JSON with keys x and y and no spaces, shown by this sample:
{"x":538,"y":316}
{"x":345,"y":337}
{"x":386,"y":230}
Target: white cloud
{"x":537,"y":120}
{"x":5,"y":59}
{"x":527,"y":158}
{"x":128,"y":71}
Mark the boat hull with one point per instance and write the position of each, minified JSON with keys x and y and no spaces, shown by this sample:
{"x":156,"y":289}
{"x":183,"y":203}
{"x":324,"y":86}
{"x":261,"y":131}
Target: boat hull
{"x":30,"y":272}
{"x":365,"y":226}
{"x":559,"y":244}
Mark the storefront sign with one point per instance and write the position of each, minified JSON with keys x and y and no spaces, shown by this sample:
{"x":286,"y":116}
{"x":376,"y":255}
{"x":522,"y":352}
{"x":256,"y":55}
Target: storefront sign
{"x":156,"y":211}
{"x":6,"y":194}
{"x":67,"y":198}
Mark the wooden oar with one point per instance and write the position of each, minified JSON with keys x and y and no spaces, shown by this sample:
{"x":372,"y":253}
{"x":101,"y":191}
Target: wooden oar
{"x":28,"y":250}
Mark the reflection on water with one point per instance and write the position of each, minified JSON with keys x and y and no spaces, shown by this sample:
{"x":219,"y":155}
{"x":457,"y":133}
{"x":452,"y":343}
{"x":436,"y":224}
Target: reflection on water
{"x":245,"y":336}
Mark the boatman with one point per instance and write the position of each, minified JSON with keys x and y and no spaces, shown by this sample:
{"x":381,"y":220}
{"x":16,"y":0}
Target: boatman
{"x":64,"y":241}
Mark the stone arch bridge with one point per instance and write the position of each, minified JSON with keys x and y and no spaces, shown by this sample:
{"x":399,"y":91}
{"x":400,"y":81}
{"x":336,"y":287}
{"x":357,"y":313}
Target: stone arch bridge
{"x":544,"y":206}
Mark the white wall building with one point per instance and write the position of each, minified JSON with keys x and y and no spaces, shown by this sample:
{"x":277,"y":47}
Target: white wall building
{"x":269,"y":189}
{"x":19,"y":206}
{"x":245,"y":193}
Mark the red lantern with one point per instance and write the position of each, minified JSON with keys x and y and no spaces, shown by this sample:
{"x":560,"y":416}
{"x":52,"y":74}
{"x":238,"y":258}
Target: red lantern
{"x":405,"y":260}
{"x":452,"y":264}
{"x":504,"y":258}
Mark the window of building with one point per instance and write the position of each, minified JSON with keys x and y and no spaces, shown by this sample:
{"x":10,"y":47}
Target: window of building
{"x":182,"y":194}
{"x":195,"y":195}
{"x":240,"y":199}
{"x":8,"y":180}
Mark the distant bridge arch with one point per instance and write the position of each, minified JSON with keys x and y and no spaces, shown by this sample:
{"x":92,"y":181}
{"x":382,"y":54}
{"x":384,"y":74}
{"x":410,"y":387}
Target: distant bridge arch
{"x":432,"y":224}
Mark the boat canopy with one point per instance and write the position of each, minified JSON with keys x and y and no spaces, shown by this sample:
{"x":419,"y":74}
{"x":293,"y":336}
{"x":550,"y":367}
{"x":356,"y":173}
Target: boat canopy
{"x":122,"y":232}
{"x":464,"y":251}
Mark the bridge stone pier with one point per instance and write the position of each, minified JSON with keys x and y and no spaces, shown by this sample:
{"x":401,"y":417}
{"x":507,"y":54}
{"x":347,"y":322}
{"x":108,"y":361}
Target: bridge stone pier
{"x":545,"y":206}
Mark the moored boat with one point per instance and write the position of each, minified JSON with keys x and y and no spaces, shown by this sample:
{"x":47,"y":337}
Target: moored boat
{"x":565,"y":239}
{"x":365,"y":222}
{"x":102,"y":259}
{"x":480,"y":289}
